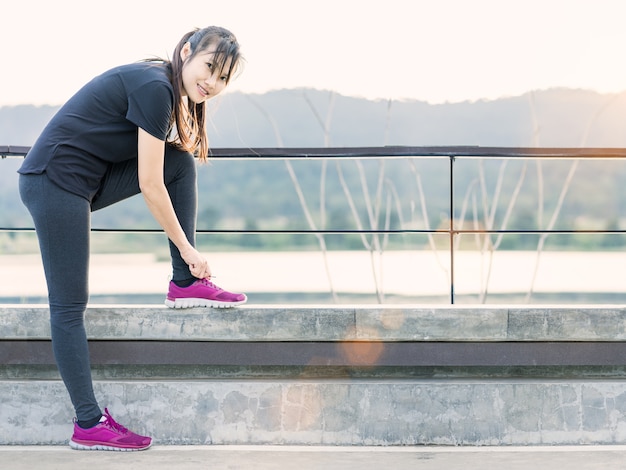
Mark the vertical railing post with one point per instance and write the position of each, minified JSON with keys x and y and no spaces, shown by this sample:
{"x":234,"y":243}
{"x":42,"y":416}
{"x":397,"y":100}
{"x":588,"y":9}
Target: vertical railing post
{"x":451,"y":229}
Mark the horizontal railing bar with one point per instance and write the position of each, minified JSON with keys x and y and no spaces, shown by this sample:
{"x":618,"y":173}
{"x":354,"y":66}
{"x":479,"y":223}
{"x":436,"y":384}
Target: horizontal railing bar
{"x":406,"y":151}
{"x":349,"y":232}
{"x":13,"y":150}
{"x":389,"y":151}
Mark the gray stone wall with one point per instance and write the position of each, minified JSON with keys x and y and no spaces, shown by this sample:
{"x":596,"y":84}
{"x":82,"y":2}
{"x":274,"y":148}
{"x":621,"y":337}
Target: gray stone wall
{"x":315,"y":405}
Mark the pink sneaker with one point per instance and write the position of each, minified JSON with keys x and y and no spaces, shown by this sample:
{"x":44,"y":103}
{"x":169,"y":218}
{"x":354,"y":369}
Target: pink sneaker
{"x":202,"y":293}
{"x":108,"y":435}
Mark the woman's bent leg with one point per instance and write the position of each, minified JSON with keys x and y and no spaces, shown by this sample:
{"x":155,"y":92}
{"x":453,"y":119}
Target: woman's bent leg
{"x":62,"y":223}
{"x":179,"y":175}
{"x":181,"y":181}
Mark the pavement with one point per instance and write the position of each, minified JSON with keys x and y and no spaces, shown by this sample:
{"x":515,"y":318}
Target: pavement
{"x":318,"y":457}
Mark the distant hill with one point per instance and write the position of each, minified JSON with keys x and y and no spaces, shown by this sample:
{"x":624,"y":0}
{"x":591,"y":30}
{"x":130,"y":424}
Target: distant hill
{"x":549,"y":118}
{"x":260,"y":194}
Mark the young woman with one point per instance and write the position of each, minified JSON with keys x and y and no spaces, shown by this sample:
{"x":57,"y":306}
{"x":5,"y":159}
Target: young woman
{"x":132,"y":129}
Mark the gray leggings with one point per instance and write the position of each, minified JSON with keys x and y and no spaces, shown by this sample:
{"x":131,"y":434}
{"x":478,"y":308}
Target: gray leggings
{"x":62,"y":222}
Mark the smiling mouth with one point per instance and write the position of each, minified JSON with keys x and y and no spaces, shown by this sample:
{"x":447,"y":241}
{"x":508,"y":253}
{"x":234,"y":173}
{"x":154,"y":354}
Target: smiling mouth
{"x":202,"y":91}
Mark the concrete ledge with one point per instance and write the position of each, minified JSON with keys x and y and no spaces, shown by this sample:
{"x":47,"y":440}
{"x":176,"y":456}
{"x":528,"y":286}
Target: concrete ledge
{"x":332,"y":412}
{"x":331,"y":323}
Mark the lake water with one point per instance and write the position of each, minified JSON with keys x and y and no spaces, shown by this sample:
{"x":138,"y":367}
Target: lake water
{"x":398,"y":276}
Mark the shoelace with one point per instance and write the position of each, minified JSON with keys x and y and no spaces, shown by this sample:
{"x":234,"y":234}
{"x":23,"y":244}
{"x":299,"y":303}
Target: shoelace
{"x":206,"y":282}
{"x":110,"y":422}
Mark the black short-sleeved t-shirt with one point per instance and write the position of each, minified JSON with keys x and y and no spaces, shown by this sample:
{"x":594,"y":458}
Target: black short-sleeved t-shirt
{"x":98,"y":126}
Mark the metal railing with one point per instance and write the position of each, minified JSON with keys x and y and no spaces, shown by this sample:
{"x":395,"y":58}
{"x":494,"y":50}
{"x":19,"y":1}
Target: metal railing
{"x":452,"y":154}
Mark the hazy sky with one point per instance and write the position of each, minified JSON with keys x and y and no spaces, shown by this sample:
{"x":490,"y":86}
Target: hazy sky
{"x":431,"y":50}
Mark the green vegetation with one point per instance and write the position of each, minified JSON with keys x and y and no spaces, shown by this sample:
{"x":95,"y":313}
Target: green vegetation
{"x":344,"y":195}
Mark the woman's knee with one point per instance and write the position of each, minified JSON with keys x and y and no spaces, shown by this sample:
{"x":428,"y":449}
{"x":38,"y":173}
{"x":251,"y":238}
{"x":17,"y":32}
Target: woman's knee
{"x":178,"y":164}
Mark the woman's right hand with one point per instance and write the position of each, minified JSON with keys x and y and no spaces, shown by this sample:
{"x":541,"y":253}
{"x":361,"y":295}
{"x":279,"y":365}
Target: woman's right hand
{"x":198,"y":265}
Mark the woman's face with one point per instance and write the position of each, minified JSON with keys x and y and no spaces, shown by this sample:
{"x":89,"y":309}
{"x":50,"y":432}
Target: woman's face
{"x":201,"y":80}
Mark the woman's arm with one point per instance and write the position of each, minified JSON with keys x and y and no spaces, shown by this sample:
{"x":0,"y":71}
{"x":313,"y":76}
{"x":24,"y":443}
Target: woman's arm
{"x":151,"y":158}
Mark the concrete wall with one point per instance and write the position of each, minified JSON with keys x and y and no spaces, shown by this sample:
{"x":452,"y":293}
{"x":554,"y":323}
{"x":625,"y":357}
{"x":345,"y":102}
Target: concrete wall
{"x":347,"y":404}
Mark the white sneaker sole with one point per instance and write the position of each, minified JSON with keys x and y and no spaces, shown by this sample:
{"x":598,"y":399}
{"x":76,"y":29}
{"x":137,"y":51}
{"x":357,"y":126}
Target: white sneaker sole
{"x":192,"y":302}
{"x":77,"y":446}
